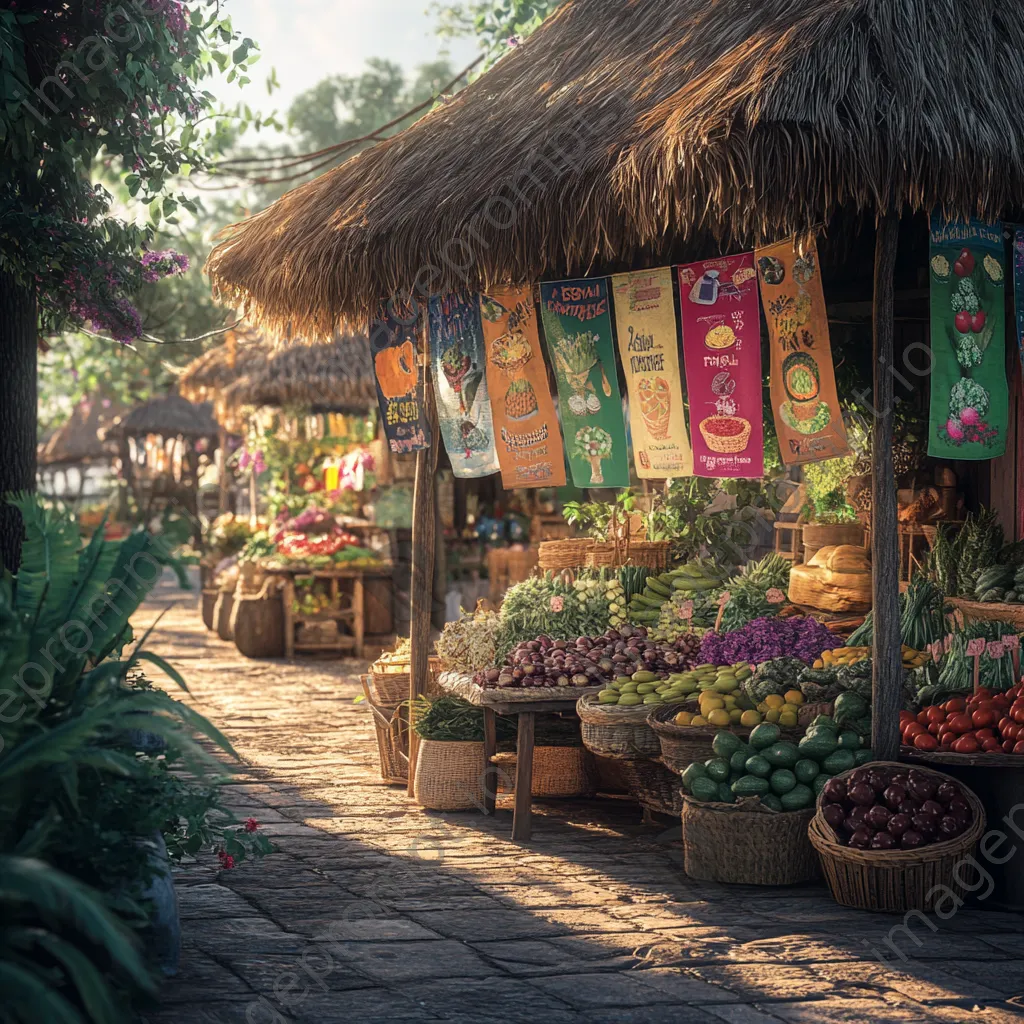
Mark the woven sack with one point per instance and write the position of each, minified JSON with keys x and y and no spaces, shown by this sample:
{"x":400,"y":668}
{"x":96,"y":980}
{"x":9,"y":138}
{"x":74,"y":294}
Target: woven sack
{"x":746,"y":843}
{"x":449,"y":775}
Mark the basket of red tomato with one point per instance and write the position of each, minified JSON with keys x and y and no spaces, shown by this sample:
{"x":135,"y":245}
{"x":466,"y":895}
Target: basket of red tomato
{"x":982,"y":725}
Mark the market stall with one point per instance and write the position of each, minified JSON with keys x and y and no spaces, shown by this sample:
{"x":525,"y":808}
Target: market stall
{"x":702,"y":192}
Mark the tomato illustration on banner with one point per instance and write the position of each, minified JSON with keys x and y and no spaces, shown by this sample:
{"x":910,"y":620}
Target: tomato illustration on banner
{"x":527,"y":436}
{"x":394,"y":347}
{"x":645,"y":321}
{"x":578,"y":330}
{"x":722,"y":355}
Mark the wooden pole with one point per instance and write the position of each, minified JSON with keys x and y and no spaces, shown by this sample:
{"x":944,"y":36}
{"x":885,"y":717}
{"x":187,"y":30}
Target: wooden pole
{"x":887,"y":662}
{"x":222,"y":476}
{"x":423,"y":538}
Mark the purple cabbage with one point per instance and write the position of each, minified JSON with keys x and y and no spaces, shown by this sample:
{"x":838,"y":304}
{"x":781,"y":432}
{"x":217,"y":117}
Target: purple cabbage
{"x":762,"y":639}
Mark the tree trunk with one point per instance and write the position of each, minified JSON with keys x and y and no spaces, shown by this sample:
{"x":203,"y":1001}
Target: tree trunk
{"x":18,"y":397}
{"x":886,"y":658}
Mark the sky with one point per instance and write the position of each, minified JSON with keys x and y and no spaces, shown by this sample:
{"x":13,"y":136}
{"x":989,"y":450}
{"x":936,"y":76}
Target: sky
{"x":305,"y":40}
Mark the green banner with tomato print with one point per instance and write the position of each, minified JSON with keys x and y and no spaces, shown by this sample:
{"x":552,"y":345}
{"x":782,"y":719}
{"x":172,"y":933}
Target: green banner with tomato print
{"x":969,"y":396}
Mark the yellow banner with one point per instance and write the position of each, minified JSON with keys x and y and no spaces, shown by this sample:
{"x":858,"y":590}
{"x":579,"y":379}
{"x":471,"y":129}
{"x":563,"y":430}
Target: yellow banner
{"x":645,"y":319}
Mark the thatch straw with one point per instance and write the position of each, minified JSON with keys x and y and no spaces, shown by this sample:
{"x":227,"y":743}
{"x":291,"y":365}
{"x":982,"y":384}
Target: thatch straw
{"x":622,"y":127}
{"x":205,"y":378}
{"x":169,"y":416}
{"x":331,"y":377}
{"x":80,"y":439}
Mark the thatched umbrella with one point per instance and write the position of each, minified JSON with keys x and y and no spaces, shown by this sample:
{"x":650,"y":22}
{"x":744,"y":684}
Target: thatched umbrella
{"x":206,"y":377}
{"x":168,"y":416}
{"x":80,"y":439}
{"x":331,"y":377}
{"x":628,"y":132}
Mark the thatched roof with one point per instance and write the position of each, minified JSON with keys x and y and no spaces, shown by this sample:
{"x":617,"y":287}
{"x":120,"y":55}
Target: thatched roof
{"x":622,"y":127}
{"x":206,"y":377}
{"x":169,"y":416}
{"x":80,"y":439}
{"x":336,"y":376}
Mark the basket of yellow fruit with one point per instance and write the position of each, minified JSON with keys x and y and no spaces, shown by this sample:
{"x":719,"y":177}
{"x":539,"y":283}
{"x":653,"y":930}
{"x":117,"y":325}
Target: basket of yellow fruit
{"x":687,"y":729}
{"x":852,"y":655}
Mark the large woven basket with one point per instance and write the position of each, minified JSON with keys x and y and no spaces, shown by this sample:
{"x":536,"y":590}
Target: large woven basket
{"x":746,"y":843}
{"x":257,"y":619}
{"x":391,"y":726}
{"x":652,"y":554}
{"x":555,"y":555}
{"x":681,"y":745}
{"x":389,"y":679}
{"x":558,"y":772}
{"x":222,"y":609}
{"x":612,"y":731}
{"x":895,"y":881}
{"x":653,"y":786}
{"x":449,"y":775}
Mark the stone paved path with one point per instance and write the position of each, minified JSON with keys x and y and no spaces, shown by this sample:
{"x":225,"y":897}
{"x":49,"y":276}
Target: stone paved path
{"x":373,"y":910}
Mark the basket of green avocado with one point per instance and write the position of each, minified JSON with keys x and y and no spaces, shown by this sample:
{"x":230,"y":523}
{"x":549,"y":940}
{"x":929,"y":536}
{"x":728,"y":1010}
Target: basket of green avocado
{"x":746,"y":809}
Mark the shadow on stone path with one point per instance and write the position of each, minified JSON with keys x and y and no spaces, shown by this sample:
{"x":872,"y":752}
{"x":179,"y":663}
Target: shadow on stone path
{"x":373,"y":910}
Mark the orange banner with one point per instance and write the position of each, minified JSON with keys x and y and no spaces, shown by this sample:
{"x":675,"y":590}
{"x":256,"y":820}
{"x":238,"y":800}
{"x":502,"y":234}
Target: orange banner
{"x":526,"y":431}
{"x":808,"y":418}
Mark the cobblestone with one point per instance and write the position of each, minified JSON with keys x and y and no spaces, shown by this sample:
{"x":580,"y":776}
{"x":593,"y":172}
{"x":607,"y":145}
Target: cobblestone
{"x":372,"y":910}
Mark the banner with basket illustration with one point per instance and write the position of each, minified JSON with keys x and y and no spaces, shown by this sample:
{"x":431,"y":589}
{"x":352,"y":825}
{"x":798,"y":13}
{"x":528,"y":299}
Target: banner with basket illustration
{"x":578,"y":330}
{"x":458,"y":359}
{"x":805,"y":405}
{"x":645,"y":322}
{"x":969,"y":395}
{"x":527,"y":436}
{"x":722,"y":355}
{"x":396,"y":367}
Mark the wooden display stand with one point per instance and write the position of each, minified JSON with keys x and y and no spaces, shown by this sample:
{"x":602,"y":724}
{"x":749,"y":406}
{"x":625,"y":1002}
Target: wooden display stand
{"x":347,"y":608}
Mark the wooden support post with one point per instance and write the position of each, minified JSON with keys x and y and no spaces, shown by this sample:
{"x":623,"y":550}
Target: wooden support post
{"x":522,"y":814}
{"x":887,"y":680}
{"x":490,"y":772}
{"x":423,"y":536}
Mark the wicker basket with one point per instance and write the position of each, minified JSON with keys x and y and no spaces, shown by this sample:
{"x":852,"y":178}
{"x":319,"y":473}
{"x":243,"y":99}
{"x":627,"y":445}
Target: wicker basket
{"x":207,"y":603}
{"x":612,"y":731}
{"x":746,"y":843}
{"x":555,"y":555}
{"x":558,"y":772}
{"x":895,"y":881}
{"x":450,"y":775}
{"x":389,"y":679}
{"x":506,"y":567}
{"x":391,"y":726}
{"x":222,"y":609}
{"x":653,"y":786}
{"x":257,"y":620}
{"x":681,"y":745}
{"x":652,"y":554}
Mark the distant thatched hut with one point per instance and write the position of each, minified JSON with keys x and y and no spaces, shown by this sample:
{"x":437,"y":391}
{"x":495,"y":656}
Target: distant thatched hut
{"x":77,"y":452}
{"x":633,"y":133}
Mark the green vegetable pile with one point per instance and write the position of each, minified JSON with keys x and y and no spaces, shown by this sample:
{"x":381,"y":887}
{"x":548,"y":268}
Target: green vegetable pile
{"x":784,"y":776}
{"x":922,"y":617}
{"x":957,"y":561}
{"x":956,"y":674}
{"x":748,"y":590}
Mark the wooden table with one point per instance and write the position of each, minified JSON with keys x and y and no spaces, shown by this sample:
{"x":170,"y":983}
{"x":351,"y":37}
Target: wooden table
{"x":496,"y":702}
{"x":354,"y":614}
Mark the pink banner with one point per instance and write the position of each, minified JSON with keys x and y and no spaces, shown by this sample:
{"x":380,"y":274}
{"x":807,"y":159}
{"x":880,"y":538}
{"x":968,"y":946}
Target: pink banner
{"x":722,"y":356}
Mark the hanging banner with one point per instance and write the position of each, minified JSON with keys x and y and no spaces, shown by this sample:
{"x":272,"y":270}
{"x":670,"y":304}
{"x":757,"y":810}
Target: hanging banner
{"x":969,"y":396}
{"x":458,"y":358}
{"x":396,"y":366}
{"x":528,"y":440}
{"x":1018,"y":287}
{"x":578,"y":330}
{"x":722,"y":354}
{"x":645,"y":322}
{"x":805,"y":405}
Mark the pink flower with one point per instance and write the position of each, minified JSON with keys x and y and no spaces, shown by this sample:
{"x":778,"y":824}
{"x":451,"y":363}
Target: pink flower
{"x":251,"y":824}
{"x":243,"y":460}
{"x":557,"y":603}
{"x":970,"y":417}
{"x":954,"y":429}
{"x":775,"y":596}
{"x":227,"y":862}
